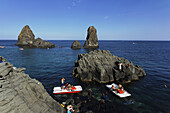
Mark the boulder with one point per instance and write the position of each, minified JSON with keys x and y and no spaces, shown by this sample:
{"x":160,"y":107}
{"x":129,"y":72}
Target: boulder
{"x":101,"y":66}
{"x":21,"y":94}
{"x":27,"y":39}
{"x":39,"y":43}
{"x":76,"y":45}
{"x":91,"y":39}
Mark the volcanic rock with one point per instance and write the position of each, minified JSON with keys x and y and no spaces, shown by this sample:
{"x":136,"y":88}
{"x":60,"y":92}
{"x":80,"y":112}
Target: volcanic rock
{"x":39,"y":43}
{"x":101,"y":66}
{"x":27,"y":39}
{"x":91,"y":39}
{"x":76,"y":45}
{"x":21,"y":94}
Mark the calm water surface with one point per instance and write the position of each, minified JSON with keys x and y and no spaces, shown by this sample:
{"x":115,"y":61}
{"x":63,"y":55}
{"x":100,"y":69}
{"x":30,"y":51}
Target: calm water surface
{"x":148,"y":94}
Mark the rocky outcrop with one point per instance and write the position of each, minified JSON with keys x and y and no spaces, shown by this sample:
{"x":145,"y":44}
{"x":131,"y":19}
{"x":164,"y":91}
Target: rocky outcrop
{"x":76,"y":45}
{"x":91,"y":40}
{"x":2,"y":59}
{"x":102,"y":66}
{"x":39,"y":43}
{"x":27,"y":39}
{"x":21,"y":94}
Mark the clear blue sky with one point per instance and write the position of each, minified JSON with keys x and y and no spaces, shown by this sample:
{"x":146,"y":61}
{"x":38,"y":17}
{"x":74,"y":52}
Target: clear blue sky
{"x":70,"y":19}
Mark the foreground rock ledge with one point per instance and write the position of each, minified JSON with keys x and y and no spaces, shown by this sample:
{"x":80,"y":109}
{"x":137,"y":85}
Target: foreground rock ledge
{"x":27,"y":39}
{"x":21,"y":94}
{"x":101,"y":66}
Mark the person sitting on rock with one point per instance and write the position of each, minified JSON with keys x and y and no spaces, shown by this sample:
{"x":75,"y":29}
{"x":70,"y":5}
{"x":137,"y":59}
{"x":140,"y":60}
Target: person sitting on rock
{"x":127,"y":66}
{"x":120,"y":66}
{"x":62,"y":82}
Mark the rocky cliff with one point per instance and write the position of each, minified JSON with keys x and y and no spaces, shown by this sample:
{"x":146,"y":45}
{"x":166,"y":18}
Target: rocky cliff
{"x":27,"y":39}
{"x":91,"y":39}
{"x":21,"y":94}
{"x":102,"y":66}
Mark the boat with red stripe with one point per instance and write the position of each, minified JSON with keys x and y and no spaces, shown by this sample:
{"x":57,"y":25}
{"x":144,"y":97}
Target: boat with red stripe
{"x":58,"y":90}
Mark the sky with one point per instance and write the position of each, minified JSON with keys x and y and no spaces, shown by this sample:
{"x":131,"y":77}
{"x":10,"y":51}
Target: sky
{"x":70,"y":19}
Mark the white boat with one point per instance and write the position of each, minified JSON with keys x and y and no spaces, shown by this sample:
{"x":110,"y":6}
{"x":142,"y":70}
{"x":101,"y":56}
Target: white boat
{"x":58,"y":90}
{"x":125,"y":94}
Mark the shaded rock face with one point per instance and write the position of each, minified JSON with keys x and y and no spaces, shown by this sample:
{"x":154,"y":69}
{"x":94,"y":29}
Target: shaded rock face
{"x":27,"y":39}
{"x":76,"y":45}
{"x":21,"y":94}
{"x":91,"y":40}
{"x":102,"y":66}
{"x":39,"y":43}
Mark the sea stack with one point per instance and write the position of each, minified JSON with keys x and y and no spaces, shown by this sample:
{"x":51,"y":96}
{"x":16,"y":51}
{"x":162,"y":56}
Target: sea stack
{"x":91,"y":39}
{"x":27,"y":39}
{"x":103,"y":67}
{"x":76,"y":45}
{"x":21,"y":94}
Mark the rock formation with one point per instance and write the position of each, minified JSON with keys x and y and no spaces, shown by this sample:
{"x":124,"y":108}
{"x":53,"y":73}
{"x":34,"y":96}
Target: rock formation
{"x":39,"y":43}
{"x":27,"y":39}
{"x":21,"y":94}
{"x":102,"y":66}
{"x":91,"y":40}
{"x":76,"y":45}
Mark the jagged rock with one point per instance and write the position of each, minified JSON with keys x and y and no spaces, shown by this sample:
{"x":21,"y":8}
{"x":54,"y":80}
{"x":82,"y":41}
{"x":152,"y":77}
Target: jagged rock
{"x":27,"y":39}
{"x":21,"y":94}
{"x":102,"y":66}
{"x":39,"y":43}
{"x":2,"y":59}
{"x":76,"y":45}
{"x":91,"y":39}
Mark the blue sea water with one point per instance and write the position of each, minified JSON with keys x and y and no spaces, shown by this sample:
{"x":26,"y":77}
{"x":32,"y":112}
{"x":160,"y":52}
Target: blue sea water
{"x":148,"y":94}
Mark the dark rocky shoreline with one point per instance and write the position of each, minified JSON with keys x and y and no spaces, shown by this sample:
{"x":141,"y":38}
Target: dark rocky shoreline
{"x":21,"y":94}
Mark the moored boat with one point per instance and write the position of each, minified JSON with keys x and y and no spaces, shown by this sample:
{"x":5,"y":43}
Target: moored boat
{"x":58,"y":90}
{"x":121,"y":95}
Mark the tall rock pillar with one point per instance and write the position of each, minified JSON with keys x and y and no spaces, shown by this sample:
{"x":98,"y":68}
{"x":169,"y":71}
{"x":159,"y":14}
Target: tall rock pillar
{"x":91,"y":40}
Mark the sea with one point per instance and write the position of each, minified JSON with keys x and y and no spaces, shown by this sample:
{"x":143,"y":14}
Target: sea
{"x":150,"y":94}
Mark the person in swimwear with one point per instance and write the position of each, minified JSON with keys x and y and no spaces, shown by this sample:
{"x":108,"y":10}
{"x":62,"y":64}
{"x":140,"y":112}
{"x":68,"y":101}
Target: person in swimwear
{"x":62,"y":82}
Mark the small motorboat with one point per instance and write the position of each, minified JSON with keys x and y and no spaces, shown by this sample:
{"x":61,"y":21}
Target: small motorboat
{"x":58,"y":90}
{"x":124,"y":94}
